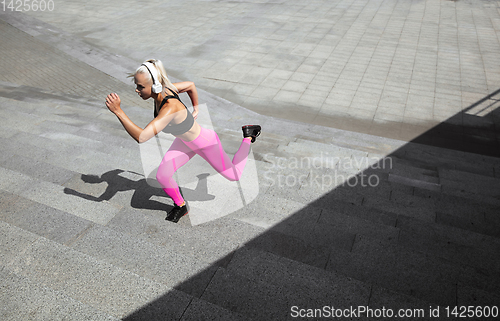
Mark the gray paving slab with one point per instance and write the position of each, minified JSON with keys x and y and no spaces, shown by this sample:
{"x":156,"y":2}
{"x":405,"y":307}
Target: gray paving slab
{"x":314,"y":233}
{"x":53,"y":195}
{"x":262,"y":215}
{"x":472,"y":195}
{"x":445,"y":161}
{"x":20,"y":121}
{"x":292,"y":276}
{"x":41,"y":219}
{"x":291,"y":247}
{"x":191,"y":241}
{"x":475,"y":221}
{"x":76,"y":153}
{"x":430,"y":273}
{"x":257,"y":300}
{"x":340,"y":184}
{"x":161,"y":264}
{"x":423,"y":184}
{"x":468,"y":294}
{"x":480,"y":184}
{"x":384,"y":298}
{"x":383,"y":187}
{"x":364,"y":213}
{"x":23,"y":299}
{"x":403,"y":198}
{"x":200,"y":309}
{"x":65,"y":70}
{"x":14,"y":182}
{"x":87,"y":280}
{"x":449,"y":242}
{"x":421,"y":210}
{"x":400,"y":270}
{"x":15,"y":241}
{"x":37,"y":169}
{"x":276,"y":186}
{"x":358,"y":226}
{"x":268,"y":211}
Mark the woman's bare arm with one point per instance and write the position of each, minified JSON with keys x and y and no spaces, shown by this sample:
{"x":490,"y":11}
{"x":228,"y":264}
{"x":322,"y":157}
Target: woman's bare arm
{"x":140,"y":135}
{"x":189,"y":88}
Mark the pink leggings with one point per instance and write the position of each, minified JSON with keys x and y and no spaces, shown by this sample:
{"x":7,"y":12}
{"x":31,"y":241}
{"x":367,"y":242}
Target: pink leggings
{"x":208,"y":146}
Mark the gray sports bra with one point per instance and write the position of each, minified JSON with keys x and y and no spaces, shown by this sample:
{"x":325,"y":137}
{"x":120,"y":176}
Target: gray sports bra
{"x":184,"y":126}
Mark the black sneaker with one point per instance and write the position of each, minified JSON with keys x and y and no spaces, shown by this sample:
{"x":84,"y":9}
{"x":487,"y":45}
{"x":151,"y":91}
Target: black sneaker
{"x":176,"y":213}
{"x":251,"y":131}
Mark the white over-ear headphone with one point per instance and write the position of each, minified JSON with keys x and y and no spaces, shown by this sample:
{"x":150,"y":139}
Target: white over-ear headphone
{"x":157,"y":87}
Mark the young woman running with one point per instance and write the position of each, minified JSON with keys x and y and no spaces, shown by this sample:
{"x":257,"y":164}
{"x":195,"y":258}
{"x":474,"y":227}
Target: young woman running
{"x":172,"y":116}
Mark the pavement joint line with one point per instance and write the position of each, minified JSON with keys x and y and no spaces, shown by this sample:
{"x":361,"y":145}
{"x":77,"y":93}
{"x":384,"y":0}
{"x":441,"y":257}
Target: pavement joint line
{"x":80,"y":235}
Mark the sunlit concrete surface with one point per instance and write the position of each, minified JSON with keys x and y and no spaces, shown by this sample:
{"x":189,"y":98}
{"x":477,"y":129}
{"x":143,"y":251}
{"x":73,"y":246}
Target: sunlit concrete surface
{"x":385,"y":67}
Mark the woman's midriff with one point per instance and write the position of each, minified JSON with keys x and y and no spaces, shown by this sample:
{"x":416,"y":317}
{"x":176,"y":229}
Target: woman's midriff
{"x":191,"y":134}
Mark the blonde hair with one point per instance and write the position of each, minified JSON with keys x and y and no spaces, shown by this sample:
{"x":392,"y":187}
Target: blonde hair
{"x":160,"y":72}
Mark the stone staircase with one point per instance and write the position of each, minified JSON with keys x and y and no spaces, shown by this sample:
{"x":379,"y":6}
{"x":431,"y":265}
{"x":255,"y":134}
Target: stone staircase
{"x":84,"y":237}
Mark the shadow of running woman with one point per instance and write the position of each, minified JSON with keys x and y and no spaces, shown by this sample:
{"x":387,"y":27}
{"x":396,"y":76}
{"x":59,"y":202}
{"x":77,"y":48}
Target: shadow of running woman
{"x":141,"y":199}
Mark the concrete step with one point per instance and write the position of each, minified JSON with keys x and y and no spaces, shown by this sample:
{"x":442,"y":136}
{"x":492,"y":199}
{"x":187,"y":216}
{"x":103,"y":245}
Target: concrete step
{"x":228,"y":234}
{"x":339,"y":223}
{"x":451,"y":159}
{"x":53,"y":195}
{"x":472,"y":182}
{"x":28,"y":94}
{"x":203,"y":310}
{"x":410,"y":271}
{"x":317,"y":287}
{"x":163,"y":263}
{"x":23,"y":299}
{"x":256,"y":300}
{"x":269,"y":286}
{"x":59,"y":116}
{"x":410,"y":159}
{"x":88,"y":241}
{"x":457,"y":245}
{"x":73,"y":119}
{"x":95,"y":283}
{"x":468,"y":214}
{"x":72,"y":152}
{"x":413,"y":174}
{"x":353,"y":140}
{"x":264,"y":277}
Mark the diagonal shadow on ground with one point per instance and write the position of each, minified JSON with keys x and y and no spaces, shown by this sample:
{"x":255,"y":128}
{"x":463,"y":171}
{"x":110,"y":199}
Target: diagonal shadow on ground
{"x":426,"y":234}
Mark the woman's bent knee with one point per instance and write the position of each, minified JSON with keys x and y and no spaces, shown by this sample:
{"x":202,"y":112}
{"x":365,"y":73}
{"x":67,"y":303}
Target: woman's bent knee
{"x":164,"y":174}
